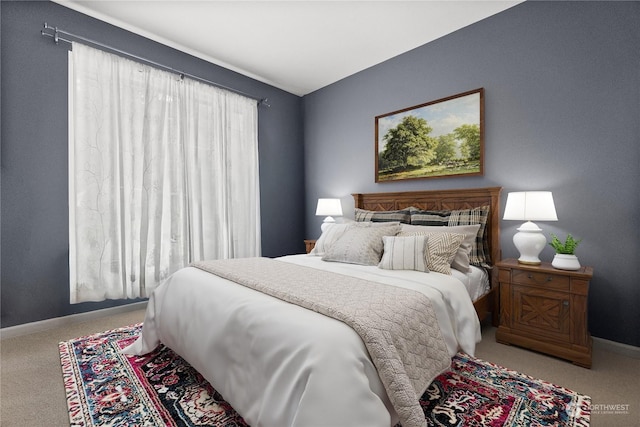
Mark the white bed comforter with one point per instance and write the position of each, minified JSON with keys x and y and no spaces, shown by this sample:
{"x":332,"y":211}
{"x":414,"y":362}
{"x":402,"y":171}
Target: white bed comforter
{"x":282,"y":365}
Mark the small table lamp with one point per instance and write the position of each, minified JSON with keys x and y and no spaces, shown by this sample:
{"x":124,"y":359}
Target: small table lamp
{"x":328,"y":207}
{"x":528,"y":206}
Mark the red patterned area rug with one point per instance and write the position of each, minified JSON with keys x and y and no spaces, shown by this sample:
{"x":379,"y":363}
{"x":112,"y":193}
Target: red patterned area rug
{"x":107,"y":388}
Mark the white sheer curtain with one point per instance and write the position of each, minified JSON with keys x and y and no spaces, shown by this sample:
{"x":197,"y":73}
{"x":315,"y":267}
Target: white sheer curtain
{"x":163,"y":171}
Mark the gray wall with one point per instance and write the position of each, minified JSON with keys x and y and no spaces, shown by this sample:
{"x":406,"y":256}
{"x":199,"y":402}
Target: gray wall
{"x":562,"y":113}
{"x":562,"y":105}
{"x":34,"y":216}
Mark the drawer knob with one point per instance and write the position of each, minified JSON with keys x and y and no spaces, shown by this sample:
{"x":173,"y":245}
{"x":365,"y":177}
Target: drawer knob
{"x":565,"y":303}
{"x":550,"y":278}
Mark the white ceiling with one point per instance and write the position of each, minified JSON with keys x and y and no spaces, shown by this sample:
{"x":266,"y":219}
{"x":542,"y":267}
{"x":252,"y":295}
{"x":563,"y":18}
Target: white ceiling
{"x":298,"y":46}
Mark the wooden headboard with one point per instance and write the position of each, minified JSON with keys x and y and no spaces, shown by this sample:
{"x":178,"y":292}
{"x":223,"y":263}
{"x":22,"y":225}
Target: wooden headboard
{"x":442,"y":200}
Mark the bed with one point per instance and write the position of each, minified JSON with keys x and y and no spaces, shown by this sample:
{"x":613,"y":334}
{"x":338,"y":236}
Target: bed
{"x":450,"y":200}
{"x":281,"y":364}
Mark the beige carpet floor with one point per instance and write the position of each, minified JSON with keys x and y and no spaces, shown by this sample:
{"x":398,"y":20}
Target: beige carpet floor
{"x":32,"y":393}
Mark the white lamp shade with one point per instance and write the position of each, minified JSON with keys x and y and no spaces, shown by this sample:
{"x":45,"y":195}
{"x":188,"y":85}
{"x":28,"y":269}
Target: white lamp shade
{"x":530,"y":206}
{"x":329,"y":207}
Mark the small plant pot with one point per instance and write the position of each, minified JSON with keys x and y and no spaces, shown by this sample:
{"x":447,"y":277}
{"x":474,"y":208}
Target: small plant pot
{"x":566,"y":262}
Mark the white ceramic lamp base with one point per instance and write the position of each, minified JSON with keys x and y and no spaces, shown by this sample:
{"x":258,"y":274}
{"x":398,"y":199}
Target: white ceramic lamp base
{"x":328,"y":222}
{"x":529,"y":241}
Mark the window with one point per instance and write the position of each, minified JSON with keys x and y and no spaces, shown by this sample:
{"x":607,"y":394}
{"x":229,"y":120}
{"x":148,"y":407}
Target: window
{"x":163,"y":171}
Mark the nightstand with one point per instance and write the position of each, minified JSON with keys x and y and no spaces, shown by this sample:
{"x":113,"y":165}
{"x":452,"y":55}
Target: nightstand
{"x":545,"y":309}
{"x":309,"y":245}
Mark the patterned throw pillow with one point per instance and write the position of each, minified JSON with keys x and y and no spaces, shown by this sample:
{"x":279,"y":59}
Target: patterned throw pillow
{"x":403,"y":215}
{"x":441,"y":249}
{"x":461,"y":259}
{"x":433,"y":218}
{"x":404,"y":253}
{"x":480,"y":255}
{"x":360,"y":245}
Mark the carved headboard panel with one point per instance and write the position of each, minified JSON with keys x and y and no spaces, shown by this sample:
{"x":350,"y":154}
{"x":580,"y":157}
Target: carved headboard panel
{"x":442,"y":200}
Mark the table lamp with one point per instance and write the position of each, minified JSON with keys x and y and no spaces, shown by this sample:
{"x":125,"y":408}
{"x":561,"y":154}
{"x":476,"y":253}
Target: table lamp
{"x":328,"y":208}
{"x":530,"y":206}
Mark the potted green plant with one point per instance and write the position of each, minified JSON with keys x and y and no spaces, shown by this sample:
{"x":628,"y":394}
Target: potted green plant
{"x":565,"y":258}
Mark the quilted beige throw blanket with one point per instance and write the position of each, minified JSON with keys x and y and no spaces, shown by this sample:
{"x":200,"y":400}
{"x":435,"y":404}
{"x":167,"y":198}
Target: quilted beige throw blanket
{"x":398,"y":326}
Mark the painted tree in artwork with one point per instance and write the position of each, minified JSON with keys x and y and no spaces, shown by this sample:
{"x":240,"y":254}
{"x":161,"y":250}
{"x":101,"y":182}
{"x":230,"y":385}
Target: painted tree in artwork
{"x":408,"y":145}
{"x":470,"y":137}
{"x":446,"y":148}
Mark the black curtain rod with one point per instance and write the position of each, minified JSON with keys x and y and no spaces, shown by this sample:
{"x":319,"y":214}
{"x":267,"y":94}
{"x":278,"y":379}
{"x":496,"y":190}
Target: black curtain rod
{"x":56,"y":38}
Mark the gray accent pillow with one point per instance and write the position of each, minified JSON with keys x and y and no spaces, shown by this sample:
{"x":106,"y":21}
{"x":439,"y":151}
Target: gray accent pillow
{"x":360,"y":245}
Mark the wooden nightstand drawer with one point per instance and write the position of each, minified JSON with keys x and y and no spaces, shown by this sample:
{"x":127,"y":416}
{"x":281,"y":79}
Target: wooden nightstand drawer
{"x":544,"y":279}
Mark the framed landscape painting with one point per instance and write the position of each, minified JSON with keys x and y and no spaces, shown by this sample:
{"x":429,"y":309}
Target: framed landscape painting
{"x":441,"y":138}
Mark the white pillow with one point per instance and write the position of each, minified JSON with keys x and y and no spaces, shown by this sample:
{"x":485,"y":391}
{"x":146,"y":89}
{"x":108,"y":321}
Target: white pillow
{"x":360,"y":245}
{"x":328,"y":237}
{"x":461,"y":260}
{"x":334,"y":231}
{"x":404,"y":253}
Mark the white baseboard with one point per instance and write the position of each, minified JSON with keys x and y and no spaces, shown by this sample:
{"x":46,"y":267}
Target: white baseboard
{"x":617,"y":347}
{"x":44,"y":325}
